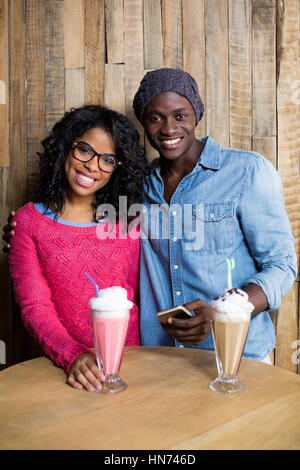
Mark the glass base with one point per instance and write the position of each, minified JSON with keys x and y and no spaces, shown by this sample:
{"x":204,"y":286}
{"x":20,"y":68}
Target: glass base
{"x":227,"y":384}
{"x":113,"y":384}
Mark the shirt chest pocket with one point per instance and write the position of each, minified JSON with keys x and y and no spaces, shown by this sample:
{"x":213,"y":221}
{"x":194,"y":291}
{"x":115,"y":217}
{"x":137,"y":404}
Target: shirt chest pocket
{"x":216,"y":222}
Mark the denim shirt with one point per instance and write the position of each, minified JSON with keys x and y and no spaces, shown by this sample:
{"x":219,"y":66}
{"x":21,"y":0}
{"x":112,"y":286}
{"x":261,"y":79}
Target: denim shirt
{"x":230,"y":205}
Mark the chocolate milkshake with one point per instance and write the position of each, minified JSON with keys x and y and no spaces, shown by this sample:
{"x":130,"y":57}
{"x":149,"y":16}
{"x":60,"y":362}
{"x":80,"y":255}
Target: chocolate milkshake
{"x":230,"y":328}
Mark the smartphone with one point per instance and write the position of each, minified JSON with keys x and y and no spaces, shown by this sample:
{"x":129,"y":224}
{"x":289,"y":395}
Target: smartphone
{"x":175,"y":312}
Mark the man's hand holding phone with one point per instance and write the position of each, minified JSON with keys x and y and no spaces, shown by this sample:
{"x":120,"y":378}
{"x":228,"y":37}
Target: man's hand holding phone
{"x":193,"y":329}
{"x":174,"y":312}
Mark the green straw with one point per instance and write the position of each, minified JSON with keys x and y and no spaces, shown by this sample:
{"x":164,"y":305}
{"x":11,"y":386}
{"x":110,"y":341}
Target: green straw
{"x":230,"y":267}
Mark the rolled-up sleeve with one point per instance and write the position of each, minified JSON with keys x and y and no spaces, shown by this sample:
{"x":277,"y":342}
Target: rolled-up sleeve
{"x":266,"y":227}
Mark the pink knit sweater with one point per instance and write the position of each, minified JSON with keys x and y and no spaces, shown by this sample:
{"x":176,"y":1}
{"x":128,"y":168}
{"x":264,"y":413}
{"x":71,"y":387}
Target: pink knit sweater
{"x":48,"y":261}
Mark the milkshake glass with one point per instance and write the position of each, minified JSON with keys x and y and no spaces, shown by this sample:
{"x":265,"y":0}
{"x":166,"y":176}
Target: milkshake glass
{"x":232,"y":315}
{"x":109,"y":320}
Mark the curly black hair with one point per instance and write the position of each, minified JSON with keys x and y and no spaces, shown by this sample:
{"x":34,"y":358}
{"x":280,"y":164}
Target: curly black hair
{"x":127,"y":180}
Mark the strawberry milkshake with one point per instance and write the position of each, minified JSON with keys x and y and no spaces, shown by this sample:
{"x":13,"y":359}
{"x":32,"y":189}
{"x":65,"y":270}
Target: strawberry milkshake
{"x":109,"y":319}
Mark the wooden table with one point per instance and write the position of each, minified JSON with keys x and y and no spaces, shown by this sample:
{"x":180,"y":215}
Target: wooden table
{"x":167,"y":405}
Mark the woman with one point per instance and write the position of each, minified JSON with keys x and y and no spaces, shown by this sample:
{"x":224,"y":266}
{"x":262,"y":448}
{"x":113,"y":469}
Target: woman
{"x":91,"y":157}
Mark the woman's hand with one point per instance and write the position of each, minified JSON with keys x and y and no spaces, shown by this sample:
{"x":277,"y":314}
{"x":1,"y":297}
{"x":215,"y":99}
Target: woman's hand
{"x":8,"y":231}
{"x":85,"y":374}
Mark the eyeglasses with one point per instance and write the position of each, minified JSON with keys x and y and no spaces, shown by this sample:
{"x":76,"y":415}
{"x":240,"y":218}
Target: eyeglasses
{"x":85,"y":153}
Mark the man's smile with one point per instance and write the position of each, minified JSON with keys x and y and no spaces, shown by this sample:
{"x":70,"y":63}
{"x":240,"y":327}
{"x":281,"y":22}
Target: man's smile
{"x":169,"y":144}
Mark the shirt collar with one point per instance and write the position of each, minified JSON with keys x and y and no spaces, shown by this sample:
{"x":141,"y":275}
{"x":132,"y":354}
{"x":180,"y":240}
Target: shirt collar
{"x":211,"y":155}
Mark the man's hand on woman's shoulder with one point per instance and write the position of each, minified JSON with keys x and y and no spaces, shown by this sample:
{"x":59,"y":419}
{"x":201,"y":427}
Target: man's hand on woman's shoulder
{"x":8,"y":231}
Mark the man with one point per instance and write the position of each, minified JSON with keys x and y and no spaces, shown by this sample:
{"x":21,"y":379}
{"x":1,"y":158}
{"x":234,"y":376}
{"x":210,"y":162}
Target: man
{"x":229,"y":200}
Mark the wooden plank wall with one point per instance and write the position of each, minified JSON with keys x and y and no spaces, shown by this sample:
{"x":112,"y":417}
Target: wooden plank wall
{"x":57,"y":54}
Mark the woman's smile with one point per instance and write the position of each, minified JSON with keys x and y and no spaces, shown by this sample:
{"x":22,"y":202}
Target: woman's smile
{"x":83,"y":179}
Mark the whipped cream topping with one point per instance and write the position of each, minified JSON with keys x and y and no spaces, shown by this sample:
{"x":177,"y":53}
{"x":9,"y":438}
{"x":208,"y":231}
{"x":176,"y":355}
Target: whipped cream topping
{"x":233,"y":305}
{"x":111,"y":303}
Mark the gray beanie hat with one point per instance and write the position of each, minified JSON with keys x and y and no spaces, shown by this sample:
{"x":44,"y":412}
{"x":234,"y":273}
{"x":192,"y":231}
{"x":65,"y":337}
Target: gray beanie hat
{"x":163,"y":80}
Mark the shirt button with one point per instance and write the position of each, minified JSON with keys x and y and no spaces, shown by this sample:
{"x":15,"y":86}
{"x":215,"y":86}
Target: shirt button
{"x":174,"y":239}
{"x":178,"y":292}
{"x":211,"y":215}
{"x":173,"y":212}
{"x":175,"y":266}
